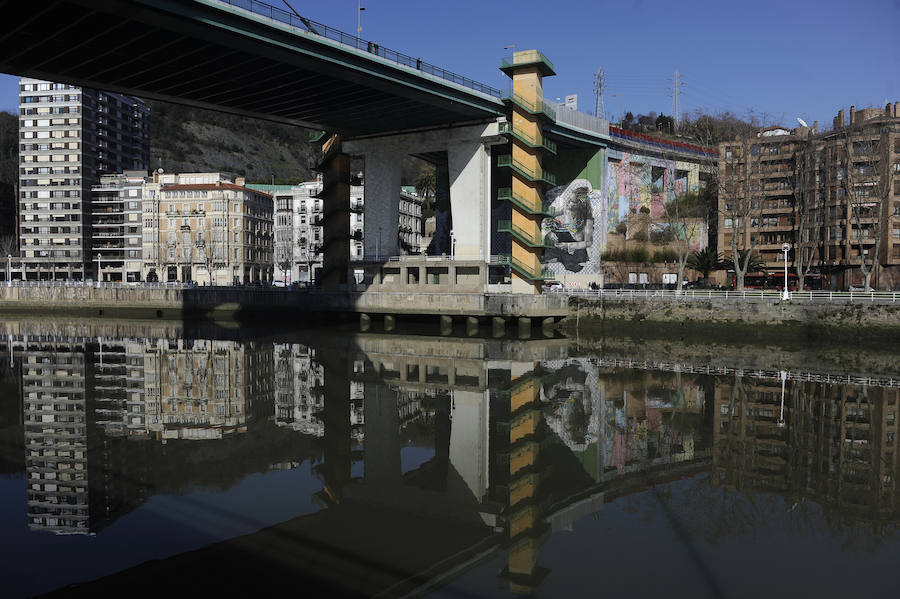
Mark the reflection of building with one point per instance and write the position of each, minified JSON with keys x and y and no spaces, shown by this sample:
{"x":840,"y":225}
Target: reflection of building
{"x":204,"y":389}
{"x":299,"y":389}
{"x":617,"y":425}
{"x":56,"y":441}
{"x":836,"y":445}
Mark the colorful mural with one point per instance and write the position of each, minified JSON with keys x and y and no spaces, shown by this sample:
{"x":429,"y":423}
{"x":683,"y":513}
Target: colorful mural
{"x":577,"y":227}
{"x":637,"y":183}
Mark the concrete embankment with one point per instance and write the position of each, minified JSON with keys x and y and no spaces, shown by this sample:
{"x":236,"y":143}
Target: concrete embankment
{"x":140,"y":301}
{"x":756,"y":320}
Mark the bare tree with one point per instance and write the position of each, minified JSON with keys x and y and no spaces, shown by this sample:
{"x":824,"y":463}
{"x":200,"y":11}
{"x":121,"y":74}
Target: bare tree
{"x":809,"y":203}
{"x":865,"y":177}
{"x":739,"y":204}
{"x":8,"y":246}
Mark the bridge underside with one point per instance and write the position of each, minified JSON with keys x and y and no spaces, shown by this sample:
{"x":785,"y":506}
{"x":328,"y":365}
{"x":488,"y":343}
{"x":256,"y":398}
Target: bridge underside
{"x":211,"y":55}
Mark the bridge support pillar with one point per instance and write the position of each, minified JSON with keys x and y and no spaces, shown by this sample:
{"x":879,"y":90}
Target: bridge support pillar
{"x":498,"y":326}
{"x":381,"y":210}
{"x":335,"y":195}
{"x":469,"y":168}
{"x":524,"y":327}
{"x":446,"y":325}
{"x":472,"y":326}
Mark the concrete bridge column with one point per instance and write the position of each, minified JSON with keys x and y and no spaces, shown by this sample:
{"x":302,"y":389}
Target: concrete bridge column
{"x":381,"y":210}
{"x":469,"y":168}
{"x":382,"y":442}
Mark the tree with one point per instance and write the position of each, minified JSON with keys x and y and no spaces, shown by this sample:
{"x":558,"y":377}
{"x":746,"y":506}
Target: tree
{"x":684,"y":217}
{"x":865,"y":179}
{"x":8,"y":246}
{"x":809,"y":204}
{"x":426,"y":182}
{"x":752,"y":262}
{"x":739,"y":204}
{"x":705,"y":261}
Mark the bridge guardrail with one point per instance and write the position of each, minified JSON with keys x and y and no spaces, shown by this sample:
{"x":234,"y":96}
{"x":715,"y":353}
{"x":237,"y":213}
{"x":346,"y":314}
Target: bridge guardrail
{"x":750,"y":295}
{"x":282,"y":16}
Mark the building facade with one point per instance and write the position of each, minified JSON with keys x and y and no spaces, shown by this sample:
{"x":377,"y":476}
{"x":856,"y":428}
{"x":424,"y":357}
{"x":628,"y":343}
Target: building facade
{"x":201,"y":227}
{"x":833,"y":197}
{"x":116,"y":226}
{"x":69,"y":136}
{"x":299,"y":235}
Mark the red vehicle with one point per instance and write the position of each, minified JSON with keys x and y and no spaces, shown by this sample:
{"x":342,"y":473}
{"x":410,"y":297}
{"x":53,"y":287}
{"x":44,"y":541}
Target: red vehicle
{"x":775,"y":280}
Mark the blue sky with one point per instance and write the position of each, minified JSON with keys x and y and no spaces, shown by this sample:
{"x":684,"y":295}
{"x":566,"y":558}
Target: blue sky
{"x":782,"y":59}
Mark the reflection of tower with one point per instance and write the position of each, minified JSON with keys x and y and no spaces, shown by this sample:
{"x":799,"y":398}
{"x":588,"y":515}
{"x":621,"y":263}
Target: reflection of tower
{"x":56,"y":443}
{"x":525,"y":127}
{"x":519,"y":473}
{"x":335,"y":471}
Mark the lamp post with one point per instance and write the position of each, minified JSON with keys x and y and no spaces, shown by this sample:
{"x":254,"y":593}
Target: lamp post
{"x":785,"y":294}
{"x":9,"y":270}
{"x":98,"y":270}
{"x":452,"y":245}
{"x":781,"y":416}
{"x":359,"y":9}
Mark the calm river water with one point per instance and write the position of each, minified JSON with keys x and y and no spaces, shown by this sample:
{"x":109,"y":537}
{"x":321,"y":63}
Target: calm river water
{"x":169,"y":459}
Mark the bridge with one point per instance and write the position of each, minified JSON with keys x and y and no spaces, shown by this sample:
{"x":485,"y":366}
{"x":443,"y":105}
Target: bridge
{"x":524,"y":186}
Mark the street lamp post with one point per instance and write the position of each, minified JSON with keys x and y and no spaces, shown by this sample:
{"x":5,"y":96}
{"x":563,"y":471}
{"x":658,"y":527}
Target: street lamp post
{"x":785,"y":294}
{"x":452,"y":245}
{"x":781,"y":416}
{"x":98,"y":270}
{"x":9,"y":270}
{"x":359,"y":9}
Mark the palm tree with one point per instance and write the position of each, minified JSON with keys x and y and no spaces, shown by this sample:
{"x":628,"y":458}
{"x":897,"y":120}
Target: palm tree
{"x":705,"y":261}
{"x":755,"y":264}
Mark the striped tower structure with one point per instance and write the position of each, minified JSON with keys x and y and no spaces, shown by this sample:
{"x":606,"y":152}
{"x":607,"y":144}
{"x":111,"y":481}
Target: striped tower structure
{"x":527,"y":116}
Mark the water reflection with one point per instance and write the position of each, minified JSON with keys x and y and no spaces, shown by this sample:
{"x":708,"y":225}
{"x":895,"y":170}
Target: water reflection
{"x":461,"y":451}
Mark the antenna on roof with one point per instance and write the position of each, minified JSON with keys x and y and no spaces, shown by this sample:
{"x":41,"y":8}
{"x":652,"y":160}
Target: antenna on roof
{"x":802,"y":122}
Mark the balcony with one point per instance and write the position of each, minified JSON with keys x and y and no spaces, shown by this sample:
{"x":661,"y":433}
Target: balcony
{"x":506,"y":226}
{"x":540,"y":175}
{"x":507,"y":128}
{"x":506,"y":194}
{"x":540,"y":107}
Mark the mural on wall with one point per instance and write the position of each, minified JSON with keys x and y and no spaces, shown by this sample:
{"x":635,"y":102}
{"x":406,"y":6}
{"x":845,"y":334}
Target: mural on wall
{"x":577,"y":227}
{"x":640,"y":184}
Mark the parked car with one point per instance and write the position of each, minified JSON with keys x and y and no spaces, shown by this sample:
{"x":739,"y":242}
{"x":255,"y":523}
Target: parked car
{"x":553,"y":286}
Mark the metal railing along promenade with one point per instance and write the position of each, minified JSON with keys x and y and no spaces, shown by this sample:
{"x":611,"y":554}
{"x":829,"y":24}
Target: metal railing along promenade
{"x":765,"y":374}
{"x":288,"y":18}
{"x":746,"y":295}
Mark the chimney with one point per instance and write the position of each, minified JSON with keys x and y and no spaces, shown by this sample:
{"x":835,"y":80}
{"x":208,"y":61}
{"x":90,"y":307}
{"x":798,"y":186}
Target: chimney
{"x":815,"y":127}
{"x":840,"y":119}
{"x":897,"y":109}
{"x":240,"y":181}
{"x":853,"y":115}
{"x":889,"y":110}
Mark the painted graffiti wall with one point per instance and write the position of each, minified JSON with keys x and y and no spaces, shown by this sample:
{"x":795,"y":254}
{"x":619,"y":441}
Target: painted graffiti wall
{"x":577,"y":227}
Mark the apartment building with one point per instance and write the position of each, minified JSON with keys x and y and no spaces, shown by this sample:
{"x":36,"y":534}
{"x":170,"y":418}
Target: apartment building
{"x":116,"y":226}
{"x":299,"y":233}
{"x":202,"y":227}
{"x":832,"y":195}
{"x":69,"y":137}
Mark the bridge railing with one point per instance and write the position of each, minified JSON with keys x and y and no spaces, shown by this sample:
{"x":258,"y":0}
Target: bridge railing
{"x":288,"y":18}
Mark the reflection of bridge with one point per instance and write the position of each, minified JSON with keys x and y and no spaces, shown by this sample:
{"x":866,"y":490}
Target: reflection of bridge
{"x":496,"y":154}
